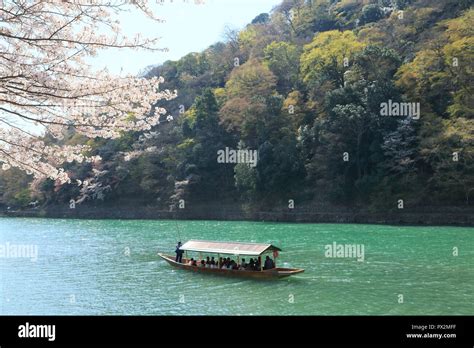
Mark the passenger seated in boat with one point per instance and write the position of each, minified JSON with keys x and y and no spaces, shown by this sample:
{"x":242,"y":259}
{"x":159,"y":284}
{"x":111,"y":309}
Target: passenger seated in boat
{"x":213,"y":264}
{"x":208,"y":262}
{"x":251,"y":265}
{"x":195,"y":263}
{"x":191,"y":261}
{"x":243,"y":265}
{"x":203,"y":263}
{"x":221,"y":262}
{"x":269,"y":264}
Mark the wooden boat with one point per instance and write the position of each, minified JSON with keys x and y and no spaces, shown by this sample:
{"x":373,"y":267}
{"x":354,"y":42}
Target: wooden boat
{"x":236,"y":249}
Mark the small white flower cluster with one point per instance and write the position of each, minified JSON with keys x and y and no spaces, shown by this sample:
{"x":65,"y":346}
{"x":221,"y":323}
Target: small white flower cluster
{"x":35,"y":157}
{"x":92,"y":188}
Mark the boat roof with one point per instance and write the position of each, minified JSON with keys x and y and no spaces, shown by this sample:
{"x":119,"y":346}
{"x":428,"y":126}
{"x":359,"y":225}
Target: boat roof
{"x":233,"y":248}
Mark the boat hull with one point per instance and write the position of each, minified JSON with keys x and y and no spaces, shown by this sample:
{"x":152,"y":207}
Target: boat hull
{"x":274,"y":273}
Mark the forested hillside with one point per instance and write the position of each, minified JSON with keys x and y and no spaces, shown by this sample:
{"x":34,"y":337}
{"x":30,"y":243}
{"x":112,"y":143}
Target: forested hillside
{"x":305,"y":86}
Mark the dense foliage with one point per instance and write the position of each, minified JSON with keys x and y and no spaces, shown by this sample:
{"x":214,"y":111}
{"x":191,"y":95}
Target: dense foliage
{"x":304,"y":86}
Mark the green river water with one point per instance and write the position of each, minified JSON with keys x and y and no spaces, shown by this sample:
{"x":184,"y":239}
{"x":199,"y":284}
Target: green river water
{"x":110,"y":267}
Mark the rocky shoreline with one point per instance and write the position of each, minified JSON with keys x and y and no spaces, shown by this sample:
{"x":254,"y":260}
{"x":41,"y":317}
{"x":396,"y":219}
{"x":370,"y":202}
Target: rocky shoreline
{"x":462,"y":217}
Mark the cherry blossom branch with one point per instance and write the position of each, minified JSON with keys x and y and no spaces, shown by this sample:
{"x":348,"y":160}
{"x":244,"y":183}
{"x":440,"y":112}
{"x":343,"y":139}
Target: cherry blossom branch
{"x":44,"y":80}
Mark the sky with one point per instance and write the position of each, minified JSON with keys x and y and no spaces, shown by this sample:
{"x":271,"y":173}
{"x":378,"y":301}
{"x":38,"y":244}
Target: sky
{"x":189,"y":27}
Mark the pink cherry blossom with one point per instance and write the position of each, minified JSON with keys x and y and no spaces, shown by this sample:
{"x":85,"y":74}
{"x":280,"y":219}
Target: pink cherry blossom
{"x":45,"y":82}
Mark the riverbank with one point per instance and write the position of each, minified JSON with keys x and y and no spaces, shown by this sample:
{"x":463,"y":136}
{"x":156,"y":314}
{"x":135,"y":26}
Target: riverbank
{"x":427,"y":217}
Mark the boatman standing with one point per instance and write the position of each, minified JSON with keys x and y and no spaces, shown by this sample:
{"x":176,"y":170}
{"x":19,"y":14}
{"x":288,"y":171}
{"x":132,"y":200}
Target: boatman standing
{"x":179,"y":253}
